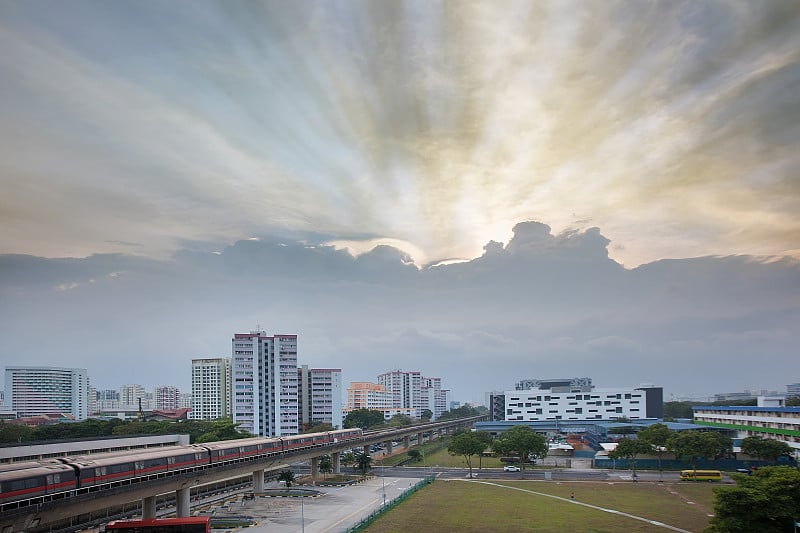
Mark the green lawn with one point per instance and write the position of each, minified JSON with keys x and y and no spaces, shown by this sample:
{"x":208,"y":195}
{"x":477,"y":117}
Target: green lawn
{"x":436,"y":454}
{"x":477,"y":507}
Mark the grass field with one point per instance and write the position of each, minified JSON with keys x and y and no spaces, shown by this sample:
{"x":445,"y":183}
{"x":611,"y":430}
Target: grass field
{"x":500,"y":507}
{"x":436,"y":454}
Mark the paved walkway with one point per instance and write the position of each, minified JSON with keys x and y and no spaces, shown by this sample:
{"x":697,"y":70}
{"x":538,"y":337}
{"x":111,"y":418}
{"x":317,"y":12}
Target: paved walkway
{"x":335,"y":510}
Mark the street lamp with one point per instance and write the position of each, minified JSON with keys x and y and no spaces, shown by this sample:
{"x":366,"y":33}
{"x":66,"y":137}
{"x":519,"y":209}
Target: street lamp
{"x":302,"y":512}
{"x":383,"y":484}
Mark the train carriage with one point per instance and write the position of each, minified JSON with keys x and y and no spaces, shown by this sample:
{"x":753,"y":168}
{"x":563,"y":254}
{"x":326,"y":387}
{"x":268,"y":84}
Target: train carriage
{"x":37,"y":479}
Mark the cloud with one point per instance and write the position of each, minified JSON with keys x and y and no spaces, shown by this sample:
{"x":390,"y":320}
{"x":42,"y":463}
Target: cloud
{"x":541,"y":305}
{"x":670,"y":125}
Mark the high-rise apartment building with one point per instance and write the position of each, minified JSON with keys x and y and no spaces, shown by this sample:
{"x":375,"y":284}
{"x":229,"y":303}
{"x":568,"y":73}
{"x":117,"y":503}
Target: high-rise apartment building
{"x":366,"y":395}
{"x":265,"y":392}
{"x":412,"y":390}
{"x":131,"y":394}
{"x":433,"y":397}
{"x":165,"y":397}
{"x":185,"y":401}
{"x":793,"y":390}
{"x":320,"y":396}
{"x":405,"y":388}
{"x":211,"y":389}
{"x":32,"y":391}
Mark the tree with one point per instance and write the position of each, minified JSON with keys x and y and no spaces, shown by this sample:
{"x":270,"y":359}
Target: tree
{"x":521,"y":441}
{"x":486,"y":438}
{"x":15,"y":432}
{"x":287,"y":476}
{"x":464,"y":411}
{"x":689,"y":446}
{"x":629,"y":449}
{"x":320,"y":427}
{"x":364,"y":462}
{"x":325,"y":465}
{"x":362,"y":418}
{"x":766,"y":449}
{"x":348,"y":459}
{"x":414,"y":455}
{"x":656,"y":435}
{"x":768,"y":501}
{"x":400,"y":420}
{"x":426,"y":415}
{"x":466,"y":444}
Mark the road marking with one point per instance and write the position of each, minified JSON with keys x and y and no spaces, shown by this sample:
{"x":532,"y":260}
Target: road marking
{"x":598,"y":508}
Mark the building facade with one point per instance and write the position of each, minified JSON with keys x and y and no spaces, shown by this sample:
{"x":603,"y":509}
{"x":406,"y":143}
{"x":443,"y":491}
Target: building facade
{"x":132,"y":394}
{"x":765,"y":421}
{"x":32,"y":391}
{"x":211,"y":389}
{"x":265,"y":388}
{"x":166,"y":397}
{"x":366,"y":395}
{"x":415,"y":392}
{"x":583,"y":403}
{"x":793,"y":390}
{"x":320,"y":396}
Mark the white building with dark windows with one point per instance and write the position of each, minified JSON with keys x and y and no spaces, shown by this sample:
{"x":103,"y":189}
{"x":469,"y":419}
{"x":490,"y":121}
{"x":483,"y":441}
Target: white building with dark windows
{"x":32,"y":391}
{"x":265,"y":383}
{"x":320,"y":396}
{"x":211,"y":389}
{"x":565,"y":402}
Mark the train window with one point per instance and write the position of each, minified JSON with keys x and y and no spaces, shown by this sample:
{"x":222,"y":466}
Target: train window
{"x":17,"y":485}
{"x":33,"y":482}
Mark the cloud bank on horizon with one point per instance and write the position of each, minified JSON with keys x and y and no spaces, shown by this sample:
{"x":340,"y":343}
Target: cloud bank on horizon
{"x":540,"y":305}
{"x":431,"y":126}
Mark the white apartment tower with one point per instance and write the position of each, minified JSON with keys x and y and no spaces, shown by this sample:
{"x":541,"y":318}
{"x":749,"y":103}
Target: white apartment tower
{"x":265,"y":392}
{"x":31,"y":391}
{"x":320,"y":396}
{"x":211,"y":389}
{"x":412,"y":390}
{"x":166,"y":397}
{"x":130,"y":394}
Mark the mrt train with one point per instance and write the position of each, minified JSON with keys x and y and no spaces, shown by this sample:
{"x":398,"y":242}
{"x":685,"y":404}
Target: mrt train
{"x":56,"y":478}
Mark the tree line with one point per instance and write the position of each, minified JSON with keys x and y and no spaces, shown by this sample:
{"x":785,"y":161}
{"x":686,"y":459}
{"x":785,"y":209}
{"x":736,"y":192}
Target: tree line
{"x":198,"y":430}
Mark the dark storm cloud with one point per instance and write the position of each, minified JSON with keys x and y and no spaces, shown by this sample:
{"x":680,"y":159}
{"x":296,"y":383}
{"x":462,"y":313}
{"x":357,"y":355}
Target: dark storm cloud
{"x":542,"y":304}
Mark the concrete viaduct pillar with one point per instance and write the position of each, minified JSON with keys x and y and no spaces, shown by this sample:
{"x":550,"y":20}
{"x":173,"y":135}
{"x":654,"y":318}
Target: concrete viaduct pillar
{"x":336,"y":463}
{"x":258,"y":481}
{"x":366,"y":449}
{"x":182,"y":502}
{"x":389,"y":447}
{"x":149,"y":507}
{"x":314,"y":468}
{"x":407,"y":441}
{"x":420,"y":439}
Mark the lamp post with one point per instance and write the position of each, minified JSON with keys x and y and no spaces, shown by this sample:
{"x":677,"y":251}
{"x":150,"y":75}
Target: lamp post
{"x":302,"y":512}
{"x":383,"y":485}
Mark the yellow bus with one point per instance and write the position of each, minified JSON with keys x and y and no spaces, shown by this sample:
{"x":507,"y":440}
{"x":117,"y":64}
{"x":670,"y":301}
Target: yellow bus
{"x":701,"y":475}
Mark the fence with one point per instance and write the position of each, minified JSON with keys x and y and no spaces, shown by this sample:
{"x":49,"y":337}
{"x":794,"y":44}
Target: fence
{"x":391,"y":505}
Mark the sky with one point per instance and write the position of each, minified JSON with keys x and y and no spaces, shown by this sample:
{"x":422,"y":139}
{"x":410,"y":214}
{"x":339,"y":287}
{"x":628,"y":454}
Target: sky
{"x":482,"y":191}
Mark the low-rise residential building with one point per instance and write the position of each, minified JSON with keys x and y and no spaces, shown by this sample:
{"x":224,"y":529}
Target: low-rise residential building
{"x":769,"y":419}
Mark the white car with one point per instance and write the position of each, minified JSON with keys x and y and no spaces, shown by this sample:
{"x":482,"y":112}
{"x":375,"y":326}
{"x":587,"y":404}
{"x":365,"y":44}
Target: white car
{"x":510,"y":468}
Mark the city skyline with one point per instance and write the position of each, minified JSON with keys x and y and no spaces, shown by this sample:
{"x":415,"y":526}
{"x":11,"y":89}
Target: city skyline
{"x":483,"y":193}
